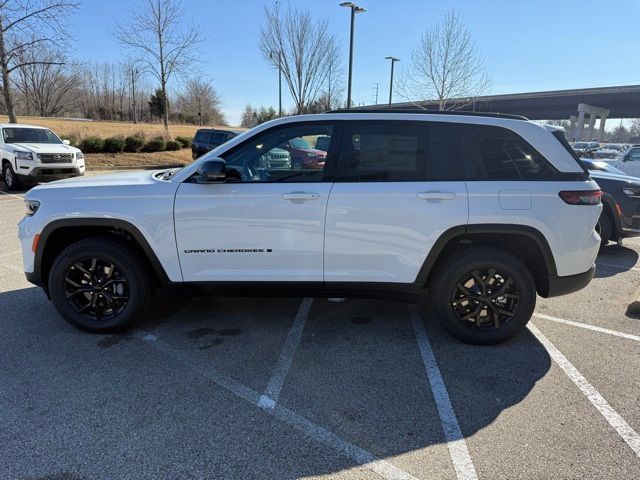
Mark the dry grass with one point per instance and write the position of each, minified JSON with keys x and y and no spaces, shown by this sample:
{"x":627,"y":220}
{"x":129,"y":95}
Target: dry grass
{"x":96,"y":160}
{"x":81,"y":129}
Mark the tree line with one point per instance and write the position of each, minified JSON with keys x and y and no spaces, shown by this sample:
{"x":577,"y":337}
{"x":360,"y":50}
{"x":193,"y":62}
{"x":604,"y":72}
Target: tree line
{"x":159,"y":76}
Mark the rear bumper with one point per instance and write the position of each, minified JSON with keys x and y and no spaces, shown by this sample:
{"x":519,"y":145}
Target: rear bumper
{"x":569,"y":284}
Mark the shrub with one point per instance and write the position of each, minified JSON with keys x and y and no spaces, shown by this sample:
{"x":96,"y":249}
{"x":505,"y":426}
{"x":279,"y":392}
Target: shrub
{"x":114,"y":144}
{"x":74,"y":138}
{"x":156,"y":144}
{"x":92,"y":145}
{"x":133,"y":143}
{"x":173,"y":145}
{"x":184,"y":141}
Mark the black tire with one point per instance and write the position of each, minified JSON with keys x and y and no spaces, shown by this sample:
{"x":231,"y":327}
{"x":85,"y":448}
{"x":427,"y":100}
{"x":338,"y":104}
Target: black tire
{"x":604,"y":227}
{"x":450,"y":304}
{"x":102,"y":316}
{"x":10,"y":178}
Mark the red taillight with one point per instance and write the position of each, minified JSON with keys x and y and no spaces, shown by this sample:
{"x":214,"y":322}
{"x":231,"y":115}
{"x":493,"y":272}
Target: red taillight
{"x":581,"y":197}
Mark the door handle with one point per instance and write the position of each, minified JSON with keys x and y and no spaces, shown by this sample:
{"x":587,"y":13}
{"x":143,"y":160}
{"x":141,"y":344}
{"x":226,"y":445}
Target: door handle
{"x":300,"y":196}
{"x":436,"y":195}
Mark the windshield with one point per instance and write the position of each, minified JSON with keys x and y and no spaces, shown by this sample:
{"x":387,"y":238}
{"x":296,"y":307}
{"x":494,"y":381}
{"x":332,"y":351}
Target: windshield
{"x":299,"y":143}
{"x":29,"y":135}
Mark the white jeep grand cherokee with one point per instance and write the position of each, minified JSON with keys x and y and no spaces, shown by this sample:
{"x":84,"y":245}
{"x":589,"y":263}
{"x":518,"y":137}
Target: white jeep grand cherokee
{"x":475,"y":212}
{"x":32,"y":154}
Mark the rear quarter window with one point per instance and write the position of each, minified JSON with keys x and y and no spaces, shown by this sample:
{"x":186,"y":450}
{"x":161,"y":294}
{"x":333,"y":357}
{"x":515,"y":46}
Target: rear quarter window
{"x":202,"y":137}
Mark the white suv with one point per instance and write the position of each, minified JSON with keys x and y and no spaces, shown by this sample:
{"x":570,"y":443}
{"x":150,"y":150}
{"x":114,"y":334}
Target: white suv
{"x":475,"y":212}
{"x":30,"y":154}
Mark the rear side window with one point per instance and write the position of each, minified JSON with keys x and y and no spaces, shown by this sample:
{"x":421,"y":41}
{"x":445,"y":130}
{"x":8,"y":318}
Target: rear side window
{"x":378,"y":152}
{"x":202,"y":137}
{"x":495,"y":153}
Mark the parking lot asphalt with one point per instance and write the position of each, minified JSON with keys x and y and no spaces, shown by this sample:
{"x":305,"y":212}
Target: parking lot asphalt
{"x":221,"y":387}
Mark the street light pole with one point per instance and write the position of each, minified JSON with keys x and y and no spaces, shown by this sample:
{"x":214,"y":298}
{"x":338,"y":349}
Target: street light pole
{"x":354,"y":9}
{"x":279,"y":81}
{"x":133,"y":93}
{"x":393,"y":60}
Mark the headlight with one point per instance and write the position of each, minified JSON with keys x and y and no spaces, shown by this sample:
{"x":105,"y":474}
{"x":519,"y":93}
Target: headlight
{"x":31,"y":206}
{"x":79,"y":155}
{"x":24,"y":156}
{"x":631,"y":191}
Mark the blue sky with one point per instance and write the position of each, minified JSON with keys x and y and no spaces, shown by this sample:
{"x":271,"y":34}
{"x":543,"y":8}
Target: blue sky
{"x":526,"y":45}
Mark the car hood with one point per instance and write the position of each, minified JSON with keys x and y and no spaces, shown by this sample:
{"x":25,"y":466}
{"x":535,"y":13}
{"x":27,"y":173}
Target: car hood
{"x":613,"y":176}
{"x":42,"y":147}
{"x":107,"y":180}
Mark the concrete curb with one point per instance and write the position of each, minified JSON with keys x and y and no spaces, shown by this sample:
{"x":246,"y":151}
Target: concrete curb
{"x":94,"y":168}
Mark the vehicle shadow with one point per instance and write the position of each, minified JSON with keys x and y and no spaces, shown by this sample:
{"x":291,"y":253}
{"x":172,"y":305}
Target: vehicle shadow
{"x":357,"y":372}
{"x":614,"y":259}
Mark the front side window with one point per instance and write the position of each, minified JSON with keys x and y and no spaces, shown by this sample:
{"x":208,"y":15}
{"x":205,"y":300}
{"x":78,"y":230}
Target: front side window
{"x":202,"y":137}
{"x":382,"y":152}
{"x":29,"y":135}
{"x":218,"y":138}
{"x":283,"y":154}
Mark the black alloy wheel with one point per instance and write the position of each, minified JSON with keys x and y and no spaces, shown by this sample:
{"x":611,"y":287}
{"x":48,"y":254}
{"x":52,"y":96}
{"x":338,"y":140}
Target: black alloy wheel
{"x":95,"y":288}
{"x":485,"y":299}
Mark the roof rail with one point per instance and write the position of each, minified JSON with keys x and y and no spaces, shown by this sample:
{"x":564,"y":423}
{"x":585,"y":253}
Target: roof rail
{"x":429,"y":112}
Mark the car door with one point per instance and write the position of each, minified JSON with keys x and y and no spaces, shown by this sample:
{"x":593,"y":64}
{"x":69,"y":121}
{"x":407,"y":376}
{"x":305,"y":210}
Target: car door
{"x":262,"y":224}
{"x":389,"y":205}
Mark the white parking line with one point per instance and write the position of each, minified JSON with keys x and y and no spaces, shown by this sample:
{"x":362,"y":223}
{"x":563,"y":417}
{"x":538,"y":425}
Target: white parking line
{"x":306,"y":426}
{"x":270,"y":397}
{"x":453,"y":435}
{"x":588,"y":327}
{"x":613,"y":265}
{"x":627,"y":433}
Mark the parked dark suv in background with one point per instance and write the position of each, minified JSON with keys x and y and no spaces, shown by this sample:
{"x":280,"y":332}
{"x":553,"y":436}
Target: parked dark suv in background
{"x":209,"y":138}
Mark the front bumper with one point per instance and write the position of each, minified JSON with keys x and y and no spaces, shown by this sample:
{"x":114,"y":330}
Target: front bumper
{"x":564,"y":285}
{"x":54,"y":172}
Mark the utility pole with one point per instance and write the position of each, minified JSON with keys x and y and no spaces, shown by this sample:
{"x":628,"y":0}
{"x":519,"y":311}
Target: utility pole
{"x":133,"y":93}
{"x":377,"y":85}
{"x":354,"y":9}
{"x":199,"y":111}
{"x":393,"y":60}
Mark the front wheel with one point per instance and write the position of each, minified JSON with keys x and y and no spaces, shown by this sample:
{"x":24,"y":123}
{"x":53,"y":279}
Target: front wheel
{"x":10,"y":178}
{"x":100,"y":285}
{"x":484,"y":296}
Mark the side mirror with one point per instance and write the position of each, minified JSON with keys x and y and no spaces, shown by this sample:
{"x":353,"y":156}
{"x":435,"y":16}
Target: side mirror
{"x":66,"y":142}
{"x":212,"y":171}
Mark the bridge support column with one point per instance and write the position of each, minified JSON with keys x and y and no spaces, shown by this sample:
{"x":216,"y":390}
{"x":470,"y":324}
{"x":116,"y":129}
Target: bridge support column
{"x":571,"y":134}
{"x":603,"y":120}
{"x":580,"y":128}
{"x":593,"y":112}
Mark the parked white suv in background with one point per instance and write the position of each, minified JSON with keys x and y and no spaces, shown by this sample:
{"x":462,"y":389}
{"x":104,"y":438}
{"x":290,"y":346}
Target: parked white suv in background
{"x":31,"y":154}
{"x":476,"y":212}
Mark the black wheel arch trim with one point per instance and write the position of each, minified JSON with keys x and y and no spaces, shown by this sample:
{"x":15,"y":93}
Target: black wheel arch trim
{"x":489,"y":228}
{"x":36,"y":276}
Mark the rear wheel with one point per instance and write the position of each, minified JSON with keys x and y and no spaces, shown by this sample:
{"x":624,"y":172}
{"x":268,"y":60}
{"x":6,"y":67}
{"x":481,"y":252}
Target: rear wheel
{"x":100,"y":285}
{"x":484,"y":296}
{"x":10,"y":178}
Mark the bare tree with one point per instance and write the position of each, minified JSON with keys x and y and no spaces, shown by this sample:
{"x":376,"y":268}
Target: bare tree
{"x":199,"y":103}
{"x":47,"y":86}
{"x":306,"y":48}
{"x":634,"y":129}
{"x":26,"y":28}
{"x":161,"y":41}
{"x":445,"y":64}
